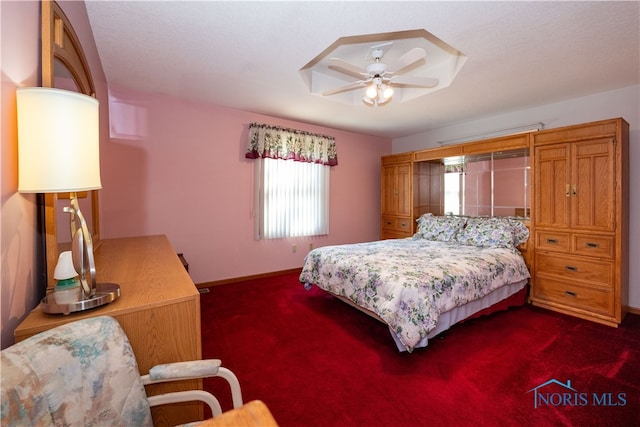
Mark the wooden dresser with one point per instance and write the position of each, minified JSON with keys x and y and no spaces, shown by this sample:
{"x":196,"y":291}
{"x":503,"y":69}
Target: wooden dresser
{"x":159,"y":310}
{"x":581,"y":218}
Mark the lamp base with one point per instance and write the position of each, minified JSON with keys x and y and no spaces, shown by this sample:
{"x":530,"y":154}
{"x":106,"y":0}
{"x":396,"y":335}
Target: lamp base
{"x":105,"y":293}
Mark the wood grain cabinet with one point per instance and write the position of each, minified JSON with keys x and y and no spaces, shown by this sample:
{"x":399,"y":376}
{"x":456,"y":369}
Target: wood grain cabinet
{"x":581,"y":220}
{"x":159,"y":311}
{"x":396,"y":196}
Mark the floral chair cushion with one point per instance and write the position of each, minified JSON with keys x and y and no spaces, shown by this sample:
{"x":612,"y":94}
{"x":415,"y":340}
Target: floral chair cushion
{"x":89,"y":363}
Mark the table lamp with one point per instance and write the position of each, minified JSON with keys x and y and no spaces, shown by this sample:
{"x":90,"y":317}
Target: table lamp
{"x":58,"y":151}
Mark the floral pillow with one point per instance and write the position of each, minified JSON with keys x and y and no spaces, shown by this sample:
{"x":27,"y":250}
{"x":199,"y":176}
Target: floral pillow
{"x":520,"y":231}
{"x":439,"y":228}
{"x":493,"y":233}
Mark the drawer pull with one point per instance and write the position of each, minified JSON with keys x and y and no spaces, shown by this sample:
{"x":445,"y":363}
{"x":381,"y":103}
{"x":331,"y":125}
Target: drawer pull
{"x":403,"y":224}
{"x":571,"y":294}
{"x":592,"y":245}
{"x":388,"y":222}
{"x":552,"y":241}
{"x":571,"y":268}
{"x":567,"y":190}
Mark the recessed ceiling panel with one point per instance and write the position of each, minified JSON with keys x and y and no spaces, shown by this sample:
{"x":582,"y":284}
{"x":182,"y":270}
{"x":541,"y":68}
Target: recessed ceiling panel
{"x":413,"y":63}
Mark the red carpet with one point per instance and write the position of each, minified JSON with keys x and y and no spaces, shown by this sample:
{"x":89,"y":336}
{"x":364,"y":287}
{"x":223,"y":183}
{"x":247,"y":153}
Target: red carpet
{"x":317,"y":362}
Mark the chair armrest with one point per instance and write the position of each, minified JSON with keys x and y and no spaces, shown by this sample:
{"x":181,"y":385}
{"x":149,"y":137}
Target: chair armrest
{"x":195,"y":369}
{"x":178,"y":371}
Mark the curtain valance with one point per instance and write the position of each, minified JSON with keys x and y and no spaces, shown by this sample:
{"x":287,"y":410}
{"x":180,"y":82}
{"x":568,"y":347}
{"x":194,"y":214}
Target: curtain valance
{"x":456,"y":168}
{"x":267,"y":141}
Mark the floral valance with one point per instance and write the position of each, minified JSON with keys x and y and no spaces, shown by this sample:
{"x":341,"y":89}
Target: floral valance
{"x":266,"y":141}
{"x":456,"y":168}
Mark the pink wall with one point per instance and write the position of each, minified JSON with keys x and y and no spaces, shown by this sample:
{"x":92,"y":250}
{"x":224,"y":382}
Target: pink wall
{"x":20,"y":50}
{"x":179,"y":169}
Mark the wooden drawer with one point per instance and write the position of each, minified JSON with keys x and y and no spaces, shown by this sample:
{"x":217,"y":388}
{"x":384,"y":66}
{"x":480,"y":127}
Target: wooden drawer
{"x":398,"y":224}
{"x":404,"y":224}
{"x":552,"y":241}
{"x":597,"y":246}
{"x":575,"y":269}
{"x":595,"y":300}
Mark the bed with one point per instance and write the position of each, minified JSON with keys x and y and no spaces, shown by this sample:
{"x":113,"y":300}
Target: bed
{"x":451,"y":269}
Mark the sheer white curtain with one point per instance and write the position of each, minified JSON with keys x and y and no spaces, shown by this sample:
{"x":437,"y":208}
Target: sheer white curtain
{"x":292,"y":199}
{"x":292,"y":181}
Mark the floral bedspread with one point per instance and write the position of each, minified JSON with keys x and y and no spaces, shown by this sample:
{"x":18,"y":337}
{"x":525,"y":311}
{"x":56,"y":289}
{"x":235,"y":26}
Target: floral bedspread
{"x":409,"y":282}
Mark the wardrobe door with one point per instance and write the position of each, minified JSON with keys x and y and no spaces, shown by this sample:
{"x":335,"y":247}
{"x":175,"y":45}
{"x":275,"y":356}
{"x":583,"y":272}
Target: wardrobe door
{"x":552,"y":188}
{"x":593,"y":185}
{"x":396,"y":189}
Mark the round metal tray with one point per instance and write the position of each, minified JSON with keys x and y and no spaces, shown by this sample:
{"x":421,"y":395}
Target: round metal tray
{"x":105,"y":293}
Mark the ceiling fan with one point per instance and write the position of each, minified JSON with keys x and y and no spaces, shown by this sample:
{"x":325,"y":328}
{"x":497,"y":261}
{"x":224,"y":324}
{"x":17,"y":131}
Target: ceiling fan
{"x":381,"y":78}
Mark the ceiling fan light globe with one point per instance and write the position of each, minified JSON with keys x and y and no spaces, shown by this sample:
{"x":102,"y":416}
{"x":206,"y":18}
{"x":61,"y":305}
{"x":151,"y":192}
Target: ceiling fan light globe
{"x":382,"y":101}
{"x":372,"y":92}
{"x":387,"y":92}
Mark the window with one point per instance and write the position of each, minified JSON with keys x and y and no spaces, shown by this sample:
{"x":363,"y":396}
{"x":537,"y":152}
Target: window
{"x":292,"y":181}
{"x":292,"y":199}
{"x":453,"y":182}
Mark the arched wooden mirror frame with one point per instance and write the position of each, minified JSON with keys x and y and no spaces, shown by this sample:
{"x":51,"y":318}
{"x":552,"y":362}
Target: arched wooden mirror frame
{"x":61,"y":44}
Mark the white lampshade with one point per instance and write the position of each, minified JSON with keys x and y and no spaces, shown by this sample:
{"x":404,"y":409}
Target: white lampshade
{"x":58,"y":141}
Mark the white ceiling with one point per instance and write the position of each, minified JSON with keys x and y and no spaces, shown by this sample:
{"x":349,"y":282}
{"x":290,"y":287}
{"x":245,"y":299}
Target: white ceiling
{"x":247,"y":55}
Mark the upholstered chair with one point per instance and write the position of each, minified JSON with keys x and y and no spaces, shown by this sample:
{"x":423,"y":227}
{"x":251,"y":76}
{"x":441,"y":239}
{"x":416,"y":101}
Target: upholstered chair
{"x":84,"y":373}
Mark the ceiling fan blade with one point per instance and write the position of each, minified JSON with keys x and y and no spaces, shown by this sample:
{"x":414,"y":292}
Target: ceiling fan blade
{"x":350,"y":86}
{"x":407,"y":60}
{"x":345,"y":67}
{"x":413,"y":81}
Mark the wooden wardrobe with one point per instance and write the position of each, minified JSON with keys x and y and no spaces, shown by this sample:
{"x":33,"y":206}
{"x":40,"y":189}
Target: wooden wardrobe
{"x":581,"y":220}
